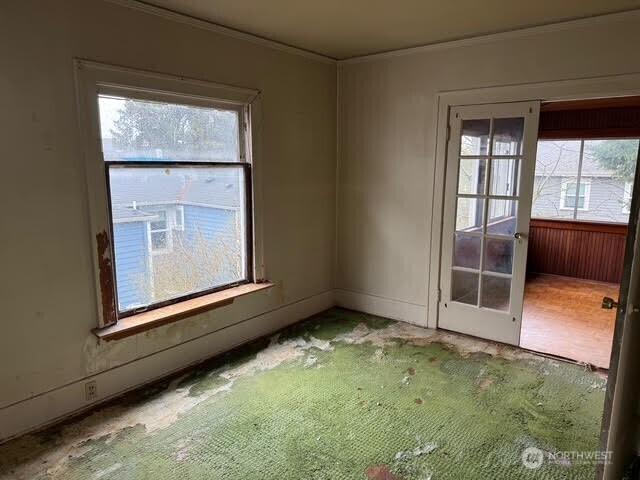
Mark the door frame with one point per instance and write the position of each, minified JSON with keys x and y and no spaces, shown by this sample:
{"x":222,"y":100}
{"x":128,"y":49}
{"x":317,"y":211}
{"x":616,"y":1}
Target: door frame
{"x":616,"y":409}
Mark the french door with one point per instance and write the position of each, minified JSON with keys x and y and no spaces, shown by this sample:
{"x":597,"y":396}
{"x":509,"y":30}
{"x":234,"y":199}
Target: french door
{"x":491,"y":157}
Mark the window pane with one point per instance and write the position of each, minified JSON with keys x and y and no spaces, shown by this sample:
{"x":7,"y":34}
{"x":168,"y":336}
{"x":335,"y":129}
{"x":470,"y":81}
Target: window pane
{"x":474,"y":139}
{"x":498,"y":255}
{"x":161,"y":222}
{"x":504,"y":177}
{"x":496,"y":292}
{"x":471,"y":176}
{"x":158,"y":240}
{"x":609,"y":167}
{"x":466,"y":251}
{"x":570,"y":195}
{"x":464,"y":287}
{"x":557,"y":163}
{"x":202,"y":242}
{"x":140,"y":130}
{"x":502,"y":217}
{"x":469,"y":214}
{"x":507,"y":136}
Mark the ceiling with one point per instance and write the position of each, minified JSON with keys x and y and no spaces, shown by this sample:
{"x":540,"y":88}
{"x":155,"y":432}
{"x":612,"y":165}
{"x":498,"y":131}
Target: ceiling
{"x":347,"y":28}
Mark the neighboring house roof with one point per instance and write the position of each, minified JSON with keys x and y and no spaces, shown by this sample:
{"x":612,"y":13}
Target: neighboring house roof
{"x":158,"y":186}
{"x":561,"y":158}
{"x":122,"y":214}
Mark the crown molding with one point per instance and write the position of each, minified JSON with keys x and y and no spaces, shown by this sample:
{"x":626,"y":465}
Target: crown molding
{"x":499,"y":36}
{"x":214,"y":27}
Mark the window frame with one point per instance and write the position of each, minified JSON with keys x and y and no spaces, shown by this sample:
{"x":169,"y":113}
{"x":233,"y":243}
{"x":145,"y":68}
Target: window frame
{"x":626,"y":197}
{"x":563,"y":194}
{"x":179,"y":213}
{"x":94,"y":79}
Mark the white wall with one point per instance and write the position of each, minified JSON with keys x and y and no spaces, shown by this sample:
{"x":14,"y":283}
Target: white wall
{"x":387,"y":139}
{"x":46,"y":285}
{"x":386,"y":164}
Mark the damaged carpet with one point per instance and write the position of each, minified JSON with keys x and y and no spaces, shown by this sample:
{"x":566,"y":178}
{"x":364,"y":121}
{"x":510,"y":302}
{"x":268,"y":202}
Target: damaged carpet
{"x":342,"y":395}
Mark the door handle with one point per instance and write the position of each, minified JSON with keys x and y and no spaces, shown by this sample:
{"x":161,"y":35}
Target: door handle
{"x":609,"y":303}
{"x":519,"y":235}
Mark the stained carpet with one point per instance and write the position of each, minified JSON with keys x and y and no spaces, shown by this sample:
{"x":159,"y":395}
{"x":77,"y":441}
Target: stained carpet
{"x":342,"y":395}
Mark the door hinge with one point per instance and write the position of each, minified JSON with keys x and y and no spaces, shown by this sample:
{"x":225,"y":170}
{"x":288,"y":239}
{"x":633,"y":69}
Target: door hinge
{"x":448,"y":132}
{"x":439,"y":295}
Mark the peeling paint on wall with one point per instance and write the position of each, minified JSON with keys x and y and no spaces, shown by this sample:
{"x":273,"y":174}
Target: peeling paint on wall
{"x":107,"y":287}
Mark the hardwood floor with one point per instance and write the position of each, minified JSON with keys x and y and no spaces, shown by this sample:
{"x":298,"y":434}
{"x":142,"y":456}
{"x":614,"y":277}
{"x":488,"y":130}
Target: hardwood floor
{"x":562,"y":316}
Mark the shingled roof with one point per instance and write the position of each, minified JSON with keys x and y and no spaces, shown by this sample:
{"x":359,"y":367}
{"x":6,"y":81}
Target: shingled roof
{"x":209,"y":186}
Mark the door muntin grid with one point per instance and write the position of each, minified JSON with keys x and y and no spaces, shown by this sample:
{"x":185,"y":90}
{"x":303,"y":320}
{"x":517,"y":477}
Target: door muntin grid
{"x":487,"y":195}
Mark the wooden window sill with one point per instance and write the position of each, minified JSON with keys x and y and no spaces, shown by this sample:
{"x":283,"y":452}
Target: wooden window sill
{"x":144,"y":321}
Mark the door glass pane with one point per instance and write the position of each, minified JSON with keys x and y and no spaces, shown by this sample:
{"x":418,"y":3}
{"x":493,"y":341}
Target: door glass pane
{"x":507,"y":136}
{"x":498,"y":255}
{"x":466,"y":251}
{"x":474,"y":139}
{"x":496,"y":292}
{"x":471,"y":176}
{"x":504,"y":176}
{"x":469,"y":214}
{"x":502,"y":217}
{"x":464,"y":287}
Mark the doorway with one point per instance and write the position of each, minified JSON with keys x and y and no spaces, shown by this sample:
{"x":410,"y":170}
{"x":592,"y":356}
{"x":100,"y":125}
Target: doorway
{"x":620,"y":396}
{"x":537,"y":202}
{"x":580,"y":211}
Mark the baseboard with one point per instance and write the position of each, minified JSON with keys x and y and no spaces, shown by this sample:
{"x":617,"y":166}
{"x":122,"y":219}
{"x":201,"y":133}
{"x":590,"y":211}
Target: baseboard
{"x":53,"y":406}
{"x":383,"y":307}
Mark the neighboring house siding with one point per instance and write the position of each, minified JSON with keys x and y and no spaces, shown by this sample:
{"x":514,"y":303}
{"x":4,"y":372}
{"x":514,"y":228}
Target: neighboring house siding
{"x":213,"y":225}
{"x":209,"y":222}
{"x":604,"y":203}
{"x":132,"y":264}
{"x":546,"y":199}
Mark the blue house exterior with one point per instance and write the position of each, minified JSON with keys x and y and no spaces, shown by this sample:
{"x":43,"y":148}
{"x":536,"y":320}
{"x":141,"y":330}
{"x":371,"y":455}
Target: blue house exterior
{"x":130,"y":241}
{"x":153,"y":226}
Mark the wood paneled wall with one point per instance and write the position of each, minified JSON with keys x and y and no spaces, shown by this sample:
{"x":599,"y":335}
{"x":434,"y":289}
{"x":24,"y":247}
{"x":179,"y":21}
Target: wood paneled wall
{"x":589,"y":250}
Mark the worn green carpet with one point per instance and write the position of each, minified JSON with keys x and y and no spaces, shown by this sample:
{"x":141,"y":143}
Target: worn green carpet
{"x":340,"y":396}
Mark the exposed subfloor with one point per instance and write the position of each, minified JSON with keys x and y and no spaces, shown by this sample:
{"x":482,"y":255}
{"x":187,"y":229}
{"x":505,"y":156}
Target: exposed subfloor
{"x":563,"y":316}
{"x":341,"y":396}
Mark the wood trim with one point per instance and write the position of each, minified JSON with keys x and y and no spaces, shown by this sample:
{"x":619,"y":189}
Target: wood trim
{"x":614,"y":228}
{"x":591,"y":103}
{"x":604,"y":118}
{"x":589,"y":250}
{"x":582,"y":133}
{"x":142,"y":322}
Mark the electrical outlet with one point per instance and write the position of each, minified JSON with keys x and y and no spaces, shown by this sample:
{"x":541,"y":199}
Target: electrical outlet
{"x":90,"y":391}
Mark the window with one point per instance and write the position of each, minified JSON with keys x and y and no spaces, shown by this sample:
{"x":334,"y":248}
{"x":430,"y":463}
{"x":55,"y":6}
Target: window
{"x":170,"y":188}
{"x":159,"y":236}
{"x":569,"y":200}
{"x":168,"y":157}
{"x":588,"y":180}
